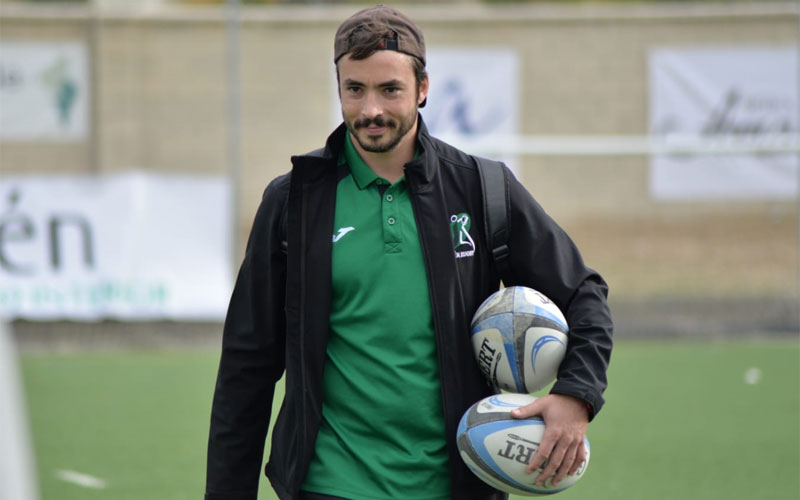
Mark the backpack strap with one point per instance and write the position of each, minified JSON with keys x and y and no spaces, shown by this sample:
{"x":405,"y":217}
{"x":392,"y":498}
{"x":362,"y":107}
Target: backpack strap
{"x":496,"y":211}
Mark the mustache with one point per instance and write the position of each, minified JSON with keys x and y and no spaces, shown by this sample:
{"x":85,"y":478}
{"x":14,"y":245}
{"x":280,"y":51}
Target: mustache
{"x":378,"y":121}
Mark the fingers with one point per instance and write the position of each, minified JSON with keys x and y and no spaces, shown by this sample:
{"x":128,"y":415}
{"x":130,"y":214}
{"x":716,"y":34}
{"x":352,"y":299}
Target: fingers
{"x":580,"y":457}
{"x":559,"y":454}
{"x":542,"y":455}
{"x":566,"y":464}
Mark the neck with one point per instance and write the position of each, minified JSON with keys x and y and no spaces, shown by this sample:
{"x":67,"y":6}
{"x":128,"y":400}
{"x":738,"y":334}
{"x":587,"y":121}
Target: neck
{"x":389,"y":165}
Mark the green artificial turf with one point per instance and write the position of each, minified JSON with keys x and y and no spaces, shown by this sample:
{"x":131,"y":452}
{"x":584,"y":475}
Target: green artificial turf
{"x":681,"y":422}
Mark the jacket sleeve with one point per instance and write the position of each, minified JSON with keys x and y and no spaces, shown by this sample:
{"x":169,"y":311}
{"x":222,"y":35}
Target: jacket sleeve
{"x":252,"y":359}
{"x":543,"y":257}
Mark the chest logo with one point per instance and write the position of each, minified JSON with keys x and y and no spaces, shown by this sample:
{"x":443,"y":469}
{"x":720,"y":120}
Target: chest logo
{"x":342,"y":231}
{"x":463,"y":243}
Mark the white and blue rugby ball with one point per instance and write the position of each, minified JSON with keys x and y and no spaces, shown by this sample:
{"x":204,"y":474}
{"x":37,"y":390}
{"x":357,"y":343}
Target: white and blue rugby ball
{"x":497,"y":447}
{"x":520,"y":338}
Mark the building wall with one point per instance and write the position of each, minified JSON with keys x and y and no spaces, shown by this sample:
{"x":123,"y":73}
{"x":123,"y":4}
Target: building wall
{"x":160,"y":102}
{"x":160,"y":81}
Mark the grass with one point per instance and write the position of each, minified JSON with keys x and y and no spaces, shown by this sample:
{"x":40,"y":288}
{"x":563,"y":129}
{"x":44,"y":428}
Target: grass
{"x":136,"y":420}
{"x":680,"y":423}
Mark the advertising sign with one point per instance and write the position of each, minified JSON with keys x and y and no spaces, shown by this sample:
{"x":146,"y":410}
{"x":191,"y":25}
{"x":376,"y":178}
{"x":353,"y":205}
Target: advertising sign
{"x":44,"y":91}
{"x":733,"y":91}
{"x":473,"y":92}
{"x":128,"y":246}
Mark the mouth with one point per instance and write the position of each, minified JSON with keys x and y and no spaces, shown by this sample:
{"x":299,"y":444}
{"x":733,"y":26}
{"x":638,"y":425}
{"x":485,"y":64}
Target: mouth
{"x":375,"y":130}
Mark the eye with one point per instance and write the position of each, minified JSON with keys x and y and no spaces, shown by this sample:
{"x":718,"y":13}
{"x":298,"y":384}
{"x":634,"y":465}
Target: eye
{"x":353,"y":89}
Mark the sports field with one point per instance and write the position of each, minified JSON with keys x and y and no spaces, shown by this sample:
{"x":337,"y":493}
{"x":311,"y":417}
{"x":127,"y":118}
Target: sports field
{"x":684,"y":420}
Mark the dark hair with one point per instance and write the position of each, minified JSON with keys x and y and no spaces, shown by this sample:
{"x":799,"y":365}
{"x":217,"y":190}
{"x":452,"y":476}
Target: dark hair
{"x":370,"y":38}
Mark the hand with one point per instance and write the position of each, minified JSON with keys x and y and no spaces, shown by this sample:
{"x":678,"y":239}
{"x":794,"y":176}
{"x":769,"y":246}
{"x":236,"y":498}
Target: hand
{"x":562,"y":449}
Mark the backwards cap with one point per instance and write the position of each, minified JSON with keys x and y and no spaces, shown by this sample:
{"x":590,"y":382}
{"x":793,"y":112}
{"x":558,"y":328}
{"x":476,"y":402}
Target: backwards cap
{"x":408,"y":37}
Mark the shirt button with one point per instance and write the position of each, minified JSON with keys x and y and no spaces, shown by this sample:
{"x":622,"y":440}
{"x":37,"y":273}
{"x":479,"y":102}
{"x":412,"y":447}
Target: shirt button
{"x":391,"y":221}
{"x":379,"y":182}
{"x":389,"y":197}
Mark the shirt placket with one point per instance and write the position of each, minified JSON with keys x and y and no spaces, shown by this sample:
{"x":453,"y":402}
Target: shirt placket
{"x":390,"y":216}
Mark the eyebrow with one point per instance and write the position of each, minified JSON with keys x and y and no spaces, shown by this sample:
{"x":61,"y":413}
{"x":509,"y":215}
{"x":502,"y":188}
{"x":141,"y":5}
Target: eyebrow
{"x":391,"y":83}
{"x":355,"y":83}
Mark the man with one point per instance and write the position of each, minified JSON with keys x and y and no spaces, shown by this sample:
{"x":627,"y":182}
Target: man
{"x":367,"y":308}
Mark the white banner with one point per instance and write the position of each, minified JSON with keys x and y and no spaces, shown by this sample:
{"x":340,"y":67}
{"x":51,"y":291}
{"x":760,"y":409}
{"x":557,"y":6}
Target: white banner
{"x":724,"y":91}
{"x":128,"y":246}
{"x":44,"y":91}
{"x":473,"y":92}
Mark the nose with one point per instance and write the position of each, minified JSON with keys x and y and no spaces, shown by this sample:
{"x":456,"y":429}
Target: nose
{"x":371,"y":107}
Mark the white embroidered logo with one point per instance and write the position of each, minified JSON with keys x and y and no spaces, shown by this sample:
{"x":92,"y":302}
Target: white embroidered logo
{"x":462,"y":241}
{"x":338,"y":236}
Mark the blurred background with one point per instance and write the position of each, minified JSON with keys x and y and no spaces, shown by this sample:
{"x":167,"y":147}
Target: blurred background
{"x":136,"y":138}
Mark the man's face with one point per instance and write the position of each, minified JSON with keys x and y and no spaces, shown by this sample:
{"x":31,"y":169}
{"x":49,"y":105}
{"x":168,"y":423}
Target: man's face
{"x":380,"y":98}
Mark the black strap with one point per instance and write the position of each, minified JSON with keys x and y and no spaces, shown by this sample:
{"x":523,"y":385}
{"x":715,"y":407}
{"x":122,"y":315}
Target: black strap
{"x":496,"y":213}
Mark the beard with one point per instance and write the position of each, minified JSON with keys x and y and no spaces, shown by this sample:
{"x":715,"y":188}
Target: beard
{"x":386,"y":141}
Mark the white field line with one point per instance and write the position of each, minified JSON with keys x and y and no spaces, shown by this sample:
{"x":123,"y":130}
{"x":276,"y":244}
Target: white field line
{"x":80,"y":479}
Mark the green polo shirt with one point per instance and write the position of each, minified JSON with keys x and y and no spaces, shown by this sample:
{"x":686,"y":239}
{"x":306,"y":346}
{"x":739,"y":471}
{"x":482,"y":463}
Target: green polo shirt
{"x":382,"y":435}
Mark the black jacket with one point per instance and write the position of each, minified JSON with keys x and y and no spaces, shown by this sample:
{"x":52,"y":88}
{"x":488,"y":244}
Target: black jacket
{"x":278,"y":314}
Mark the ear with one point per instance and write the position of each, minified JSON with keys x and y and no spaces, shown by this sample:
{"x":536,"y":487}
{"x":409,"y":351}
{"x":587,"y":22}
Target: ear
{"x":423,"y":91}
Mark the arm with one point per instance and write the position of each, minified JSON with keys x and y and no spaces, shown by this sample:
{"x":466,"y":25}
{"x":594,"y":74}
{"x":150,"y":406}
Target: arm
{"x":543,"y":257}
{"x":252,"y":359}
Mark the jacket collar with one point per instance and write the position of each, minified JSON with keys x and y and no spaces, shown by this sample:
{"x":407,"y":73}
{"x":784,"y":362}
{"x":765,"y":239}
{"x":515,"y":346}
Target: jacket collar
{"x":421,"y":171}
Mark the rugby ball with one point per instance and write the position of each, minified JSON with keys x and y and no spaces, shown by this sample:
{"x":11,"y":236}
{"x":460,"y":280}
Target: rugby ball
{"x":520,"y":338}
{"x":497,"y":447}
